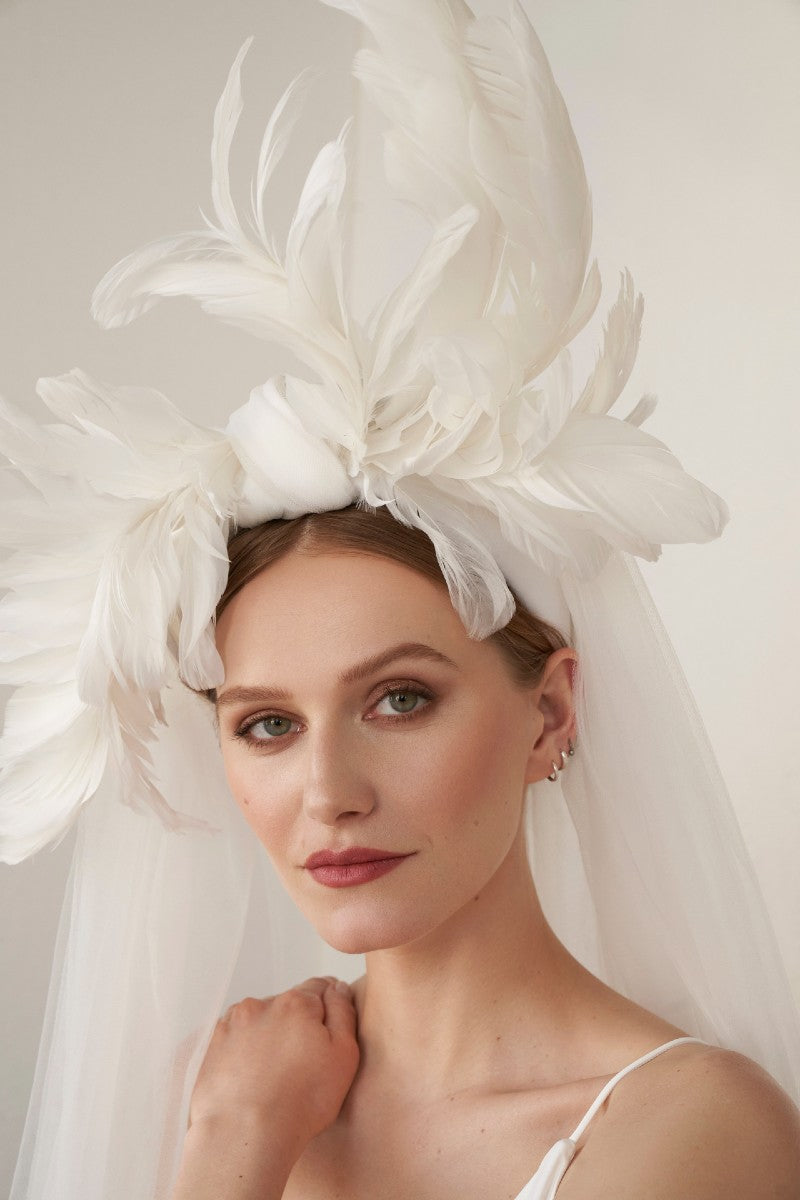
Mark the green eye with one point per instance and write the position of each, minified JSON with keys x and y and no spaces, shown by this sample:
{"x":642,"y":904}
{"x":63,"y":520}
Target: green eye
{"x":272,"y":726}
{"x":403,"y":702}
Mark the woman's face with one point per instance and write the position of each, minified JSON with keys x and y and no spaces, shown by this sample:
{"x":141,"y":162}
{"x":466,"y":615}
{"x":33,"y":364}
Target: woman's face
{"x":356,"y":713}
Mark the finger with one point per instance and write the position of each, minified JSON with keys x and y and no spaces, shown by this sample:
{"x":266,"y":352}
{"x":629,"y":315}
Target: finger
{"x":316,"y":984}
{"x":340,"y":1011}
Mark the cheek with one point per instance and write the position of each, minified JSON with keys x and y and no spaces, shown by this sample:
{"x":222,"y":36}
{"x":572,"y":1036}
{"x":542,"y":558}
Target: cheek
{"x":258,"y":793}
{"x":470,"y":782}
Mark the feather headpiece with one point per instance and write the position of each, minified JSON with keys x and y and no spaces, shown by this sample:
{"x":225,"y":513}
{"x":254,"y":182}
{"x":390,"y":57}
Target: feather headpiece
{"x":452,"y":401}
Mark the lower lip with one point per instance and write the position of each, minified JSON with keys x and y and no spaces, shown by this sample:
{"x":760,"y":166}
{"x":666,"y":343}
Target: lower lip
{"x":349,"y":874}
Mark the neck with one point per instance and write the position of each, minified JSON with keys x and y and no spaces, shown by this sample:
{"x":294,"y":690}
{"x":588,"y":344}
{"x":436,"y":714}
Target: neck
{"x":447,"y":1011}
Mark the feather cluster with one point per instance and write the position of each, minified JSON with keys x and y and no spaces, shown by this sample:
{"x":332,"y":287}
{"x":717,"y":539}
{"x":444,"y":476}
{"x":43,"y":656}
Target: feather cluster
{"x":453,"y":398}
{"x":113,"y":576}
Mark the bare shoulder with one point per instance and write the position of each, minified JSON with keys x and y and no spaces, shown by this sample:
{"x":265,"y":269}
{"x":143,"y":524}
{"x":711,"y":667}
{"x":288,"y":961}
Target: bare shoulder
{"x":697,"y":1122}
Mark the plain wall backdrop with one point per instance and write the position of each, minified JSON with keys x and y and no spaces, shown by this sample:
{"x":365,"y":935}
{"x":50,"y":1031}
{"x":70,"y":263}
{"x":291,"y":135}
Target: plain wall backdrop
{"x":688,"y":116}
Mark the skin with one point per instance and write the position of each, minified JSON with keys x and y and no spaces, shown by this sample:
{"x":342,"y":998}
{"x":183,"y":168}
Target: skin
{"x":475,"y":1040}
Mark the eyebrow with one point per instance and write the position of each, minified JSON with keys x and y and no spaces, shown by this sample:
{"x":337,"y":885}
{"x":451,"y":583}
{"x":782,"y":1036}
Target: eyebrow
{"x":368,"y":666}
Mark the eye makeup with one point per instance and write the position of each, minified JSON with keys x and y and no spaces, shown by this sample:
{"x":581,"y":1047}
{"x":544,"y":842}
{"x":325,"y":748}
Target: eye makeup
{"x":399,"y":689}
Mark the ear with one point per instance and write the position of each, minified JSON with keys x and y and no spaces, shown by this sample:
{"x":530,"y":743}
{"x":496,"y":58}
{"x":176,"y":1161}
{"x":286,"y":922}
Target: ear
{"x":554,"y":703}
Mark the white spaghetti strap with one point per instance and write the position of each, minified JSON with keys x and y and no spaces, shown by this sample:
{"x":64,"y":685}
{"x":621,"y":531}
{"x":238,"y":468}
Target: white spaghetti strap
{"x":609,"y":1087}
{"x":545,"y":1183}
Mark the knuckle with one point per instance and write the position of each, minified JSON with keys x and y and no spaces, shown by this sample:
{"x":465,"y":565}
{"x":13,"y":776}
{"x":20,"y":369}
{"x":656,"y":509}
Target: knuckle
{"x":250,"y":1004}
{"x":297,"y":1000}
{"x":247,"y":1009}
{"x":311,"y":987}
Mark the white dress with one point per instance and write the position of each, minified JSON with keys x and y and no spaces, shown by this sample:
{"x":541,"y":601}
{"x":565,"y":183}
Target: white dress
{"x":544,"y":1184}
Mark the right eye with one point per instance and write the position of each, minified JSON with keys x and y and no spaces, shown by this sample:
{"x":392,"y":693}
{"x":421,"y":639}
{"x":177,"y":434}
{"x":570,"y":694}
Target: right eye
{"x":265,"y":729}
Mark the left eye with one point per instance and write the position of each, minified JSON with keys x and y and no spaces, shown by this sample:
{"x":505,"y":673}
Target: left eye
{"x":403,"y":701}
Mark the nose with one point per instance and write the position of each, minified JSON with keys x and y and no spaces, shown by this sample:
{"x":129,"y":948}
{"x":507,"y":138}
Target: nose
{"x":337,"y":782}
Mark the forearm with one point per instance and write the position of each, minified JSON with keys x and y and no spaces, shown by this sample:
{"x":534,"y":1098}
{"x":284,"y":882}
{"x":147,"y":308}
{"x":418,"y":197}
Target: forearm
{"x":235,"y":1159}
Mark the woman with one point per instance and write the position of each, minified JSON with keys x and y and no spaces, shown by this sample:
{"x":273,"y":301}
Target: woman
{"x":356,"y":712}
{"x":450,"y":412}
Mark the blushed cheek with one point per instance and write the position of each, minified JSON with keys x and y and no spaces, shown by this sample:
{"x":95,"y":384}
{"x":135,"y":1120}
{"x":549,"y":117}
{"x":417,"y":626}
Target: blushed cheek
{"x":482,"y":758}
{"x":487,"y":783}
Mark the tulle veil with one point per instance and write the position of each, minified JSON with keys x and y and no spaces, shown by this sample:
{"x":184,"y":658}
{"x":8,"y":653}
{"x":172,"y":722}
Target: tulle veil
{"x":636,"y":852}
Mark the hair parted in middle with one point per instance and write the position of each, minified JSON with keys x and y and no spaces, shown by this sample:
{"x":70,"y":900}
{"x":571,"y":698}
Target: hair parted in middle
{"x":526,"y":641}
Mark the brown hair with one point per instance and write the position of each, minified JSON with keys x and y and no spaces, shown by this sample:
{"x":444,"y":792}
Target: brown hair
{"x":526,"y":641}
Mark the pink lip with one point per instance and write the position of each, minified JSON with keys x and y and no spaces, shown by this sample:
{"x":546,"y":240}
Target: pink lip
{"x":345,"y":868}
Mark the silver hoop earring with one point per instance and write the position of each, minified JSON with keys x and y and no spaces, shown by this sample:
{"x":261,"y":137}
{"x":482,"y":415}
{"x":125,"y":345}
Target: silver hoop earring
{"x":564,"y":755}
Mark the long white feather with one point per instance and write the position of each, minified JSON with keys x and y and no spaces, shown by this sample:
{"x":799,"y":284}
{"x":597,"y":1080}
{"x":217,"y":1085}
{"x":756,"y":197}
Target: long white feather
{"x":399,"y":313}
{"x":241,"y":280}
{"x":314,"y":240}
{"x":273,"y":146}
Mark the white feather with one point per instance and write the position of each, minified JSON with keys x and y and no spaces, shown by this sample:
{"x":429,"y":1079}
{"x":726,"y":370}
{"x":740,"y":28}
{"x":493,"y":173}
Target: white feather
{"x":620,"y":344}
{"x":43,"y":791}
{"x":628,"y":487}
{"x":23,"y":663}
{"x":288,"y":470}
{"x":528,"y":161}
{"x":226,"y":118}
{"x":35,"y":714}
{"x":273,"y":145}
{"x":241,"y":280}
{"x":399,"y":313}
{"x":477,"y":589}
{"x":314,"y":241}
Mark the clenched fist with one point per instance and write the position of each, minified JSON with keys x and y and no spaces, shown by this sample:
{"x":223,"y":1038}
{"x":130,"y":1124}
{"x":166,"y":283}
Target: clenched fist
{"x":275,"y":1074}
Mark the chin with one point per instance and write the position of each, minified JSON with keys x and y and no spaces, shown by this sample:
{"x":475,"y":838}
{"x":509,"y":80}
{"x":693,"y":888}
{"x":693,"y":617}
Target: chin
{"x":353,"y":937}
{"x":362,"y":932}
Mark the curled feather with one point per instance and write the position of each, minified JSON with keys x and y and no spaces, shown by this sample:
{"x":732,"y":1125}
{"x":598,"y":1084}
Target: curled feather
{"x":620,"y":344}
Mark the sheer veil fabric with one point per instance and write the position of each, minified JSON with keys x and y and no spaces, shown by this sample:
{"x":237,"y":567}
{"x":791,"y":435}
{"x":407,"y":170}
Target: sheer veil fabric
{"x":636,"y":853}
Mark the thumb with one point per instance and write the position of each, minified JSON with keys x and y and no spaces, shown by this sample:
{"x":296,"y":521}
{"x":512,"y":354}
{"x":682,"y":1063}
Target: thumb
{"x":340,"y":1011}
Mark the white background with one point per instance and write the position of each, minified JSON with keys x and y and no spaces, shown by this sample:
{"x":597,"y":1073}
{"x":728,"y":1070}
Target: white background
{"x":688,"y":116}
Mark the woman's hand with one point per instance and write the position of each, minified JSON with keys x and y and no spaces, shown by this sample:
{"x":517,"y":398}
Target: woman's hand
{"x":275,"y":1074}
{"x":293,"y":1055}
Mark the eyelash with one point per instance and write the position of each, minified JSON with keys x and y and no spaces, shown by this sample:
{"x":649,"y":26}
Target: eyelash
{"x":243,"y":732}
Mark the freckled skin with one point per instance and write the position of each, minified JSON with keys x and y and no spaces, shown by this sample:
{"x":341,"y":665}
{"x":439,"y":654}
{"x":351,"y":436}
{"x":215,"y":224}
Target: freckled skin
{"x":445,"y":785}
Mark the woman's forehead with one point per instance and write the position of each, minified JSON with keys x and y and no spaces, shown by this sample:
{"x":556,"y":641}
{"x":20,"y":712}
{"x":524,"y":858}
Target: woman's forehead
{"x":336,"y":609}
{"x":314,"y":578}
{"x":350,"y":593}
